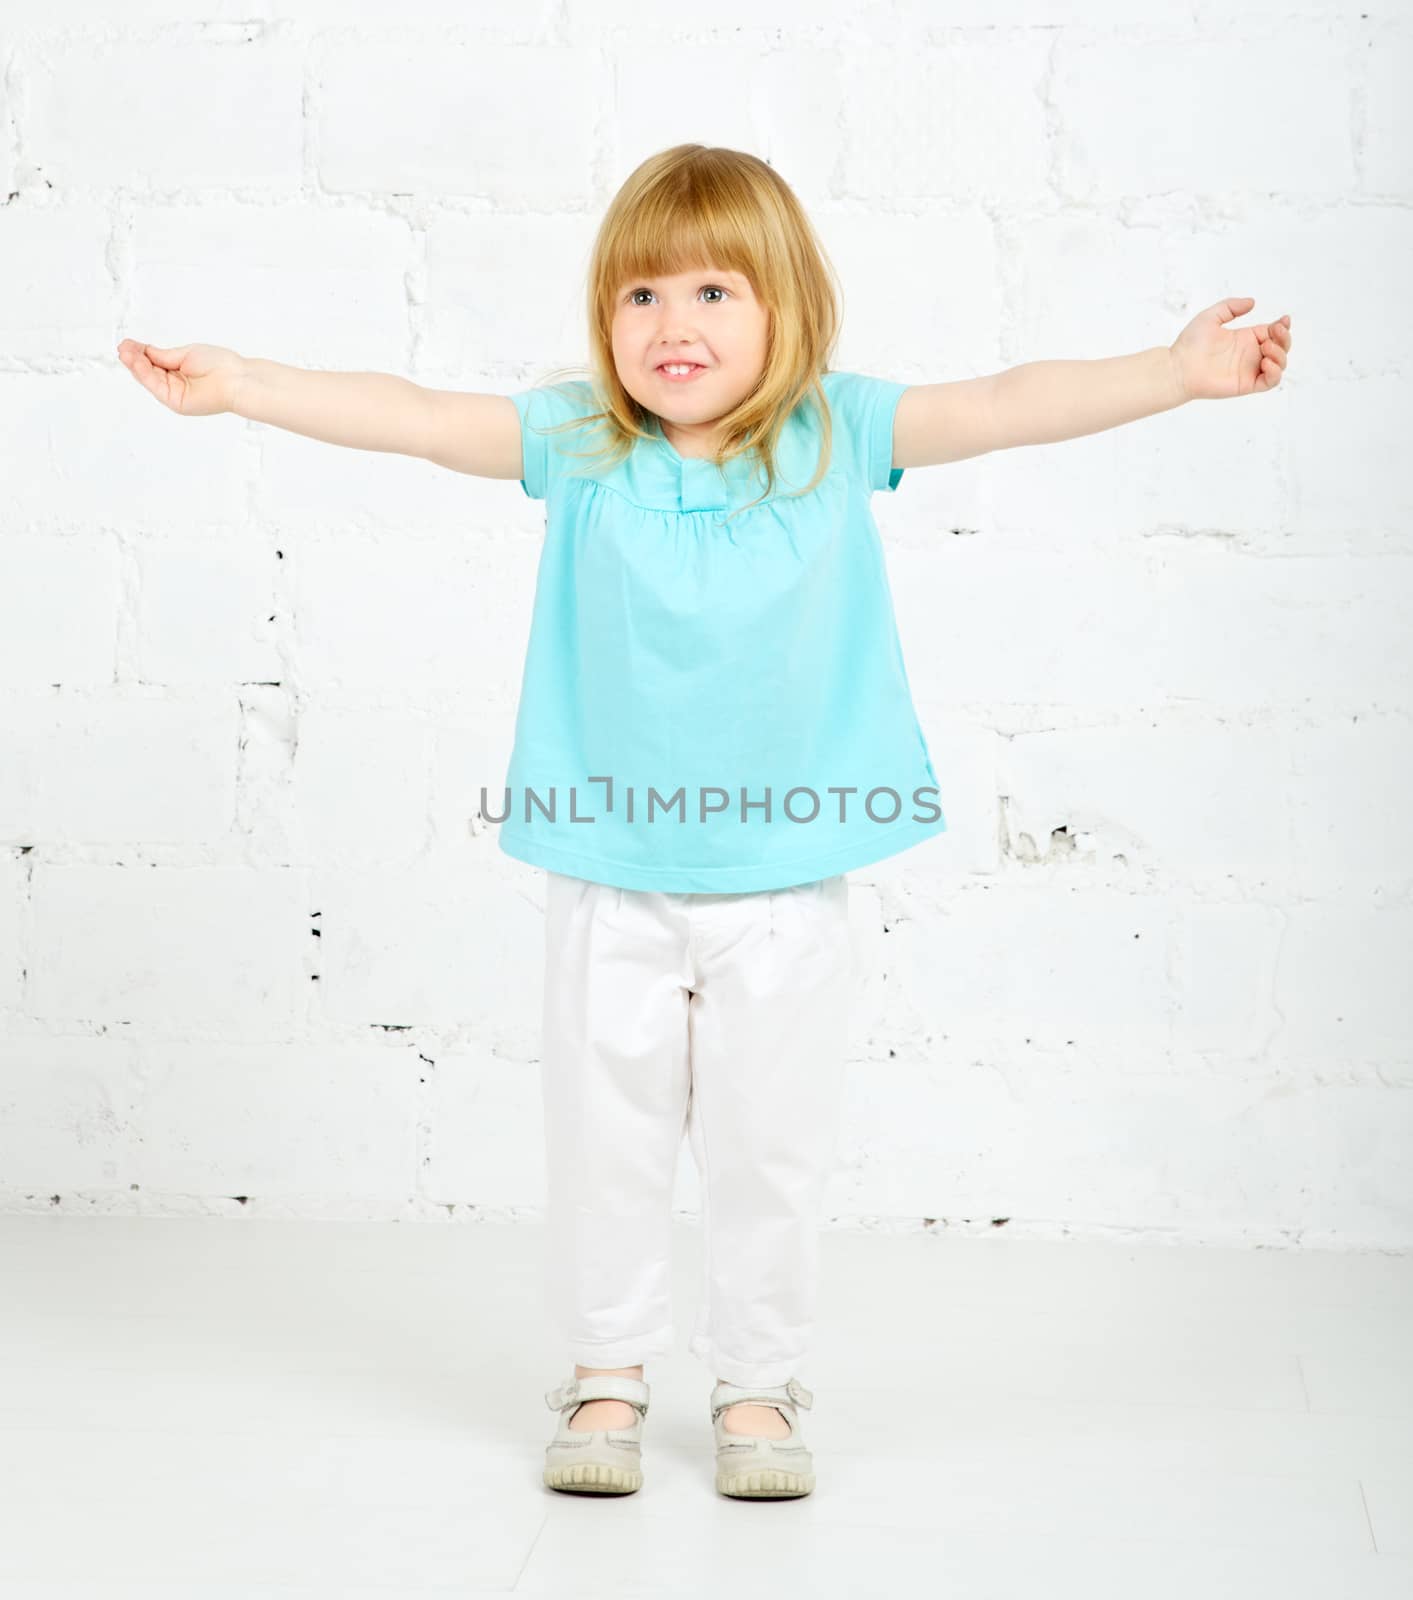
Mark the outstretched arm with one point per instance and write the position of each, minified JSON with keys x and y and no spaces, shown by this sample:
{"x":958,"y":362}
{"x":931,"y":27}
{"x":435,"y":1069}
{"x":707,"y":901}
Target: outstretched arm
{"x":1040,"y":402}
{"x":475,"y":433}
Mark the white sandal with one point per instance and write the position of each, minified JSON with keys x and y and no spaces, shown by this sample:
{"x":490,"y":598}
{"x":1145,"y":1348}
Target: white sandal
{"x":601,"y":1460}
{"x":757,"y":1468}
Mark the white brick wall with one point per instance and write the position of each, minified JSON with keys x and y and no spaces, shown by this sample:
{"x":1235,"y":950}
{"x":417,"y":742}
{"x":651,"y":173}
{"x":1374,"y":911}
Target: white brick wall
{"x":255,"y":958}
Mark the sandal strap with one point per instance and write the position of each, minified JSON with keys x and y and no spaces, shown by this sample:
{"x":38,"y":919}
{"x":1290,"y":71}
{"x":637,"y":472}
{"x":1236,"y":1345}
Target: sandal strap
{"x":573,"y":1391}
{"x":792,"y":1393}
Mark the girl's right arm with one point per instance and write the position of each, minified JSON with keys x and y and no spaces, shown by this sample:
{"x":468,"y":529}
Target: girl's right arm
{"x":473,"y":433}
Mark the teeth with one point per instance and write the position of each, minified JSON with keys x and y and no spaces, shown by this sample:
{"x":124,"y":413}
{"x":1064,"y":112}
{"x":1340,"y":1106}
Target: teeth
{"x":680,"y":370}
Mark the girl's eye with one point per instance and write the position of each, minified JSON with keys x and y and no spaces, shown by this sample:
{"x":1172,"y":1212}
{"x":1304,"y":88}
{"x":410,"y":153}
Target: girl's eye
{"x":716,"y":287}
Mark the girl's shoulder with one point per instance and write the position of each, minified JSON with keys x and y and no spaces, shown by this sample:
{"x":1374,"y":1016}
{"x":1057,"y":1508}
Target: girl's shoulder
{"x":548,"y":412}
{"x":861,"y":409}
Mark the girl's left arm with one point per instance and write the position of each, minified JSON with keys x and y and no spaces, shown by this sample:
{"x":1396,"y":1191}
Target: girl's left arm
{"x":1040,"y":402}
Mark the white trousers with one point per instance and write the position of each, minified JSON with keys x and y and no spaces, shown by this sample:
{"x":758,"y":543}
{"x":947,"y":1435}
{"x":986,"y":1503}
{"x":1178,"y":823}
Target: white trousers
{"x":725,"y":1015}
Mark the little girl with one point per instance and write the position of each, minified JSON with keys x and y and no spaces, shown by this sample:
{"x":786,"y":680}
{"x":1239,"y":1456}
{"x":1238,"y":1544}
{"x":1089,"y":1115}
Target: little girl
{"x":715,"y":726}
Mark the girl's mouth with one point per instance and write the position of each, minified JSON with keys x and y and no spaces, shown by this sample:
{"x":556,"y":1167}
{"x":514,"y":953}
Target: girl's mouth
{"x":679,"y":376}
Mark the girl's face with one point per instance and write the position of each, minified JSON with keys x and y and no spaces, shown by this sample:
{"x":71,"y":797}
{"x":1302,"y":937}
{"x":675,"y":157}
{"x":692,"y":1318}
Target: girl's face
{"x":708,"y":318}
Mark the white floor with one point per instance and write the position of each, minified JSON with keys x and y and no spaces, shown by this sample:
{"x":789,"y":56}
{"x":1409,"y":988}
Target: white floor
{"x":240,"y":1409}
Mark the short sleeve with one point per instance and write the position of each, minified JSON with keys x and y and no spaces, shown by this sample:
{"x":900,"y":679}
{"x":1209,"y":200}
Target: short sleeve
{"x":862,"y":409}
{"x":543,"y":453}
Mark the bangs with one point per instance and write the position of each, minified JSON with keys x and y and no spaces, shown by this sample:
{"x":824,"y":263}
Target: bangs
{"x":670,"y":235}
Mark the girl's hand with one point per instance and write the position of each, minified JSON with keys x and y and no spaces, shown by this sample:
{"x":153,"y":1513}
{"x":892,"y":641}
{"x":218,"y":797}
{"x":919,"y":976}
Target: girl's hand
{"x":194,"y":380}
{"x":1213,"y":362}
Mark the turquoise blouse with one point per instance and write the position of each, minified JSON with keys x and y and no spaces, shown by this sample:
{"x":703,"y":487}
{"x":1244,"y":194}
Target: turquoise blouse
{"x":713,"y":706}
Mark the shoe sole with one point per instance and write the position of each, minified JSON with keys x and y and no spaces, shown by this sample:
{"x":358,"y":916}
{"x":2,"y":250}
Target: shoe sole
{"x":589,"y":1477}
{"x":768,"y":1483}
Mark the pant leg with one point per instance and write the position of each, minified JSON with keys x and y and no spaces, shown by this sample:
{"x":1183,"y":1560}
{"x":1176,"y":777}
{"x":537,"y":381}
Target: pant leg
{"x":768,"y":1026}
{"x":614,"y":1077}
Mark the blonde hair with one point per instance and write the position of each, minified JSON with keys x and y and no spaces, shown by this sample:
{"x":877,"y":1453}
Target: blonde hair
{"x":694,"y":206}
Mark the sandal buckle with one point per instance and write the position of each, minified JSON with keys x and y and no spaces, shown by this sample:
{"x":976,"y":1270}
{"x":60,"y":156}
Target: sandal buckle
{"x":799,"y":1394}
{"x":561,"y":1395}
